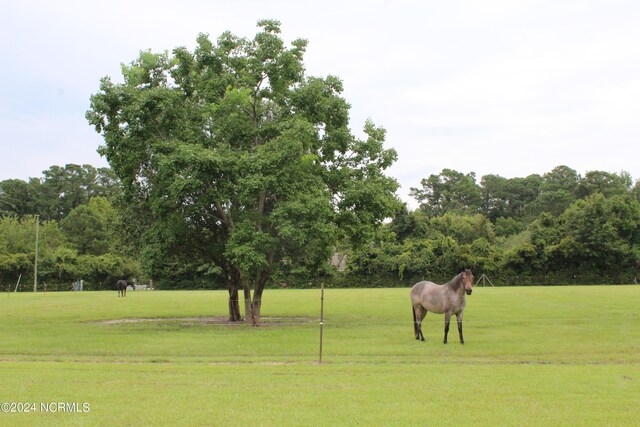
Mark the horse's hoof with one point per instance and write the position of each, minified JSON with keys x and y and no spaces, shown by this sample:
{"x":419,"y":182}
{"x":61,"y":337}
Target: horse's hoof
{"x":444,"y":342}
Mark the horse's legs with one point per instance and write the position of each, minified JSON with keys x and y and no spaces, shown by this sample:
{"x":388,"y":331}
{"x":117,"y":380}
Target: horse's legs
{"x":415,"y":322}
{"x":459,"y":317}
{"x":418,"y":315}
{"x":447,"y":319}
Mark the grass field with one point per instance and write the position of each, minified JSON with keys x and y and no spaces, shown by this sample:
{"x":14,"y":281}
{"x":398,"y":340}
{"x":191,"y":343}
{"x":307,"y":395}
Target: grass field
{"x":533,"y":356}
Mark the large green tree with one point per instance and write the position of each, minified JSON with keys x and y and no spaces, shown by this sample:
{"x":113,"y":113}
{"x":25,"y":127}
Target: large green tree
{"x":449,"y":191}
{"x":20,"y":198}
{"x":65,"y":188}
{"x":237,"y":162}
{"x":602,"y":234}
{"x":606,"y":183}
{"x":89,"y":227}
{"x":62,"y":189}
{"x":558,"y":191}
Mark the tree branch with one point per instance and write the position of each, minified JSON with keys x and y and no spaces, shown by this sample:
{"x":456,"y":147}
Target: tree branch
{"x":223,"y":215}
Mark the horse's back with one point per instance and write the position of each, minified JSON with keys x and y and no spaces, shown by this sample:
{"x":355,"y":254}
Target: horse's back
{"x":431,"y":296}
{"x":418,"y":289}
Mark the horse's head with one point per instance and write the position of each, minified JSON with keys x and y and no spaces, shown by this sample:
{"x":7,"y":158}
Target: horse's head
{"x":467,"y":280}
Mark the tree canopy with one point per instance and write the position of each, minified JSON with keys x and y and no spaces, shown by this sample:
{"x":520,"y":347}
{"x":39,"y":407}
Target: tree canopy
{"x":237,"y":162}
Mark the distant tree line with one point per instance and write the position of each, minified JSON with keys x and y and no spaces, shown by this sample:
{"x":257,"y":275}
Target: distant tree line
{"x":79,"y":229}
{"x":556,"y":228}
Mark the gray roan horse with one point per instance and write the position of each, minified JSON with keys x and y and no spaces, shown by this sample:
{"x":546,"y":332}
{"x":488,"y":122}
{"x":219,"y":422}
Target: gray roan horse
{"x":122,"y":288}
{"x":448,"y":299}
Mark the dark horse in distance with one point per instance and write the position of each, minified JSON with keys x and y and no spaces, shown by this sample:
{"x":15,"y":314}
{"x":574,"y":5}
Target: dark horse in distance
{"x":448,"y":299}
{"x":122,"y":288}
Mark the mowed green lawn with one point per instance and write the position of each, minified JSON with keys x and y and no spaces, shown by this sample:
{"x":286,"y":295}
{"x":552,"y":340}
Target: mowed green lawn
{"x":533,"y":356}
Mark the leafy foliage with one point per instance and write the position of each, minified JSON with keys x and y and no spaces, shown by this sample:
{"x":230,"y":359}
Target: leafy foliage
{"x":61,"y":190}
{"x":240,"y":163}
{"x":85,"y":243}
{"x":558,"y":224}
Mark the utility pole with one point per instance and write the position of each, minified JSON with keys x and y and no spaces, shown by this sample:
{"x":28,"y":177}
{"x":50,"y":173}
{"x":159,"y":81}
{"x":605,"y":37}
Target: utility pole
{"x":35,"y":267}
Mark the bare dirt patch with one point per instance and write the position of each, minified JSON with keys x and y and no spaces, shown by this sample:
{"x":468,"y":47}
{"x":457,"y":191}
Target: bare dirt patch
{"x":265,"y":321}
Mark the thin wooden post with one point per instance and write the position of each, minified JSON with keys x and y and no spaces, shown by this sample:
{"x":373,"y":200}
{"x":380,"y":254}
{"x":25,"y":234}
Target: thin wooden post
{"x":321,"y":319}
{"x":35,"y":265}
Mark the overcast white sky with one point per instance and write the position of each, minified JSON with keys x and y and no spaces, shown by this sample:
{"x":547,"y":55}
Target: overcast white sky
{"x":494,"y":87}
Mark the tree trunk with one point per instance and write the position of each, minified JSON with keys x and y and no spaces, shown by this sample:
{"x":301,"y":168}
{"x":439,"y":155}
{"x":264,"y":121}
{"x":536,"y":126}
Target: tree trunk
{"x":234,"y":306}
{"x":256,"y":304}
{"x":234,"y":303}
{"x":248,"y":309}
{"x":255,"y":309}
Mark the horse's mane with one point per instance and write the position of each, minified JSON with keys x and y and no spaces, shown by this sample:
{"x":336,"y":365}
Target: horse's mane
{"x":455,"y":283}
